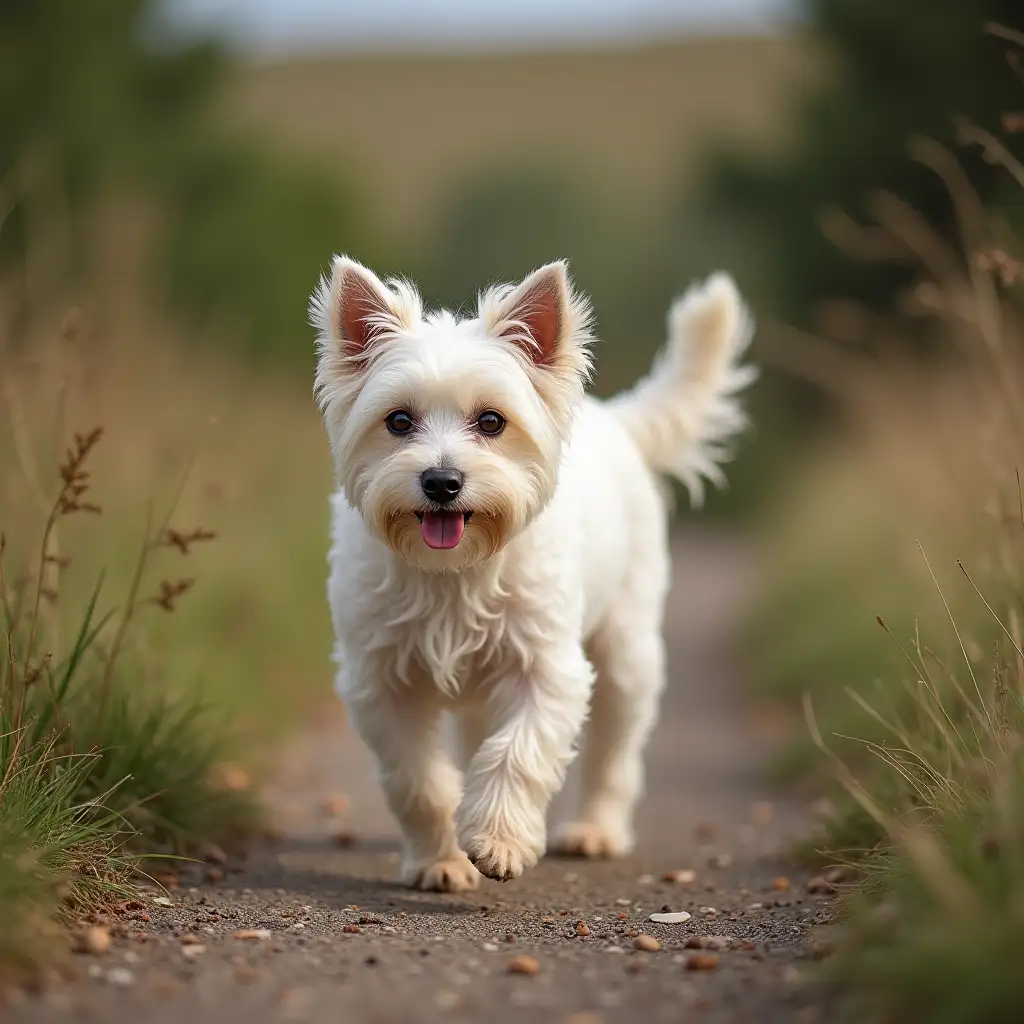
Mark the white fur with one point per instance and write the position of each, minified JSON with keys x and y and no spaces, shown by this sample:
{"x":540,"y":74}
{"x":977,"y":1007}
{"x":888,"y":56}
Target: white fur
{"x":560,"y":578}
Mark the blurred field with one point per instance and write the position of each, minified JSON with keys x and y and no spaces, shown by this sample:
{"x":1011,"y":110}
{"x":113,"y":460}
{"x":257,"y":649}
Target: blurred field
{"x":631,"y":124}
{"x":199,"y":438}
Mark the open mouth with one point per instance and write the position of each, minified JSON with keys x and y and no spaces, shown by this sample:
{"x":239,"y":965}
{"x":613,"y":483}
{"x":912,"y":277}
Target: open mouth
{"x":442,"y":529}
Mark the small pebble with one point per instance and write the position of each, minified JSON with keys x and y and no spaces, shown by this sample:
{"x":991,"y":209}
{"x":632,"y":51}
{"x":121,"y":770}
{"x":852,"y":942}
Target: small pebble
{"x":701,"y":962}
{"x":253,"y":934}
{"x":523,"y":965}
{"x":581,"y":929}
{"x":646,"y":943}
{"x":193,"y":951}
{"x":686,"y":877}
{"x":780,"y":884}
{"x":677,"y":917}
{"x":94,"y":940}
{"x":163,"y":901}
{"x":232,"y":776}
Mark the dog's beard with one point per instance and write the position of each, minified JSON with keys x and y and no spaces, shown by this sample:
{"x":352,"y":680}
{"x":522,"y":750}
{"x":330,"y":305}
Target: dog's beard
{"x":483,"y":536}
{"x":389,"y":505}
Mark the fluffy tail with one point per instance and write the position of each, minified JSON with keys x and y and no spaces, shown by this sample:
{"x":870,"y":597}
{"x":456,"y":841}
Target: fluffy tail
{"x":685,"y":411}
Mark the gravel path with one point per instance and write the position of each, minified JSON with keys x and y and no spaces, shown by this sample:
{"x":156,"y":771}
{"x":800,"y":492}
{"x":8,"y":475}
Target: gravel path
{"x":333,"y":938}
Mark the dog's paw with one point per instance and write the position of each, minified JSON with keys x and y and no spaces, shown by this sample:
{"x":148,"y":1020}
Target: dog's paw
{"x":588,"y":839}
{"x":499,"y":858}
{"x":450,"y":874}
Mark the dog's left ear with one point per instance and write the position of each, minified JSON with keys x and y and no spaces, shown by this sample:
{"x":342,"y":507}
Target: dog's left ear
{"x":542,"y":316}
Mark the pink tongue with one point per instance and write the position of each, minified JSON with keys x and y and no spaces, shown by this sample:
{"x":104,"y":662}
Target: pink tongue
{"x":442,"y":529}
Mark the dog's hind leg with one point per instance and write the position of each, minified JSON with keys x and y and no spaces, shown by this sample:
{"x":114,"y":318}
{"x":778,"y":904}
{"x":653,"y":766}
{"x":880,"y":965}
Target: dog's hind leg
{"x":630,"y":662}
{"x":422,"y":785}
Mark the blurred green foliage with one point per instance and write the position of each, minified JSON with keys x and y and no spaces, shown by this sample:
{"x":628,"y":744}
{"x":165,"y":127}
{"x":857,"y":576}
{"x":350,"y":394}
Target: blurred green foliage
{"x":897,"y":70}
{"x":95,"y":98}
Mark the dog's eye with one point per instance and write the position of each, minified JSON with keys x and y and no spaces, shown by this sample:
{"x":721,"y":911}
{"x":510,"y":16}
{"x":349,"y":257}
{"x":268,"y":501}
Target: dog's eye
{"x":399,"y":422}
{"x":491,"y":422}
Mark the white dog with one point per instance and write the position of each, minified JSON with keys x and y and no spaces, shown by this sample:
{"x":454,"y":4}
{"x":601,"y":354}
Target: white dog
{"x":500,"y":552}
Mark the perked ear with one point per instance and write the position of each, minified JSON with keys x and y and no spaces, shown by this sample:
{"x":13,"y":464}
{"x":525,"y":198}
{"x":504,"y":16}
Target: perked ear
{"x":540,"y":315}
{"x":356,"y":307}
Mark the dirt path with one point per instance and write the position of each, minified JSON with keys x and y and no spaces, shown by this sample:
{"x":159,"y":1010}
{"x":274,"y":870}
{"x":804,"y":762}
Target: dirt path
{"x":345,"y":943}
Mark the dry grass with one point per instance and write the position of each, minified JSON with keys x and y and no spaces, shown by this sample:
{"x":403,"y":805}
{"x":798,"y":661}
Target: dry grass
{"x":894,"y":608}
{"x":162,"y":584}
{"x":218,"y":444}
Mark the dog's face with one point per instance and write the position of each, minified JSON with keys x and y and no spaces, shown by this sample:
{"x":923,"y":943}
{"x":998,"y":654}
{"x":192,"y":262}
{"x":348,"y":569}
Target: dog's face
{"x":448,"y":434}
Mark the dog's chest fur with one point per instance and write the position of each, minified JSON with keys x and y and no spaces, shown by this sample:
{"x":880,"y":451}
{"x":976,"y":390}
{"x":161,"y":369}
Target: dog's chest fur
{"x":455,"y":632}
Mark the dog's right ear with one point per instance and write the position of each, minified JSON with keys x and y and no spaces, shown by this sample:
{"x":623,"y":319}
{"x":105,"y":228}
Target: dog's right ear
{"x":355,"y":308}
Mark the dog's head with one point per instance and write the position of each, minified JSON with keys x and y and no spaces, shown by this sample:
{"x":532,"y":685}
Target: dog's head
{"x":448,"y":434}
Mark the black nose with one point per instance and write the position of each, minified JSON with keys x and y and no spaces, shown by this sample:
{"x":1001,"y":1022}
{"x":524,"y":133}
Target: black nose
{"x":441,"y":485}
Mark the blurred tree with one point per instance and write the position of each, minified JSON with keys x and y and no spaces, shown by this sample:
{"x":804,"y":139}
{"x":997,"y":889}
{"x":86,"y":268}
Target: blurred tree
{"x":499,"y":224}
{"x":78,"y":86}
{"x":95,"y":98}
{"x":898,"y":70}
{"x":249,"y":234}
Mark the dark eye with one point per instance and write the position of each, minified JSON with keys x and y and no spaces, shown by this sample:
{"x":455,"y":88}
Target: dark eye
{"x":399,"y":422}
{"x":491,"y":422}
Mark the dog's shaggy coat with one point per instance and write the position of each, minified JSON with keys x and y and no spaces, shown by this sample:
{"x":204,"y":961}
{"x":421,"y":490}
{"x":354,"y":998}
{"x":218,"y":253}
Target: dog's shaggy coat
{"x":529,"y":599}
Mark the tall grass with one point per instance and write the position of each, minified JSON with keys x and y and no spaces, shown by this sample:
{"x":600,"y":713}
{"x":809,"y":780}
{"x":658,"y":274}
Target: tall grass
{"x":94,"y":766}
{"x":893,"y":612}
{"x":141,"y":658}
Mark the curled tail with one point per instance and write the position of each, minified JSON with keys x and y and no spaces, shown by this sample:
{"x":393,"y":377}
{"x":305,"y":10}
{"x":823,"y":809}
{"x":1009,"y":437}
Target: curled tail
{"x":685,"y":411}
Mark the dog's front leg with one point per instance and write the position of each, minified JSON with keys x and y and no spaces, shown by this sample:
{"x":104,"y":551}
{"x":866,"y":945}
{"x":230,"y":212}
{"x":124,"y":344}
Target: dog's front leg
{"x":533,"y":722}
{"x":422,"y":786}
